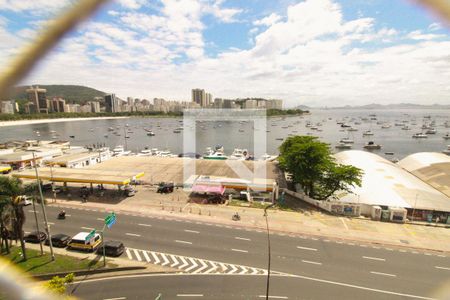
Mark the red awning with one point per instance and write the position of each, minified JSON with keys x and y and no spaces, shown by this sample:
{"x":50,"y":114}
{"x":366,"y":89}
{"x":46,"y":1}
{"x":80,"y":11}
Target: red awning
{"x":213,"y":189}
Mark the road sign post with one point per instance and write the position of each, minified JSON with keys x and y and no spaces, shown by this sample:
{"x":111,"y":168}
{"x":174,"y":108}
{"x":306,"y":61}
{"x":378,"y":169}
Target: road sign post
{"x":110,"y":220}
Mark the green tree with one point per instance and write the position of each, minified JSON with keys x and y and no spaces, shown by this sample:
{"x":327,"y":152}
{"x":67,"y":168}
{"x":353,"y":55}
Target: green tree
{"x":313,"y":167}
{"x":11,"y":191}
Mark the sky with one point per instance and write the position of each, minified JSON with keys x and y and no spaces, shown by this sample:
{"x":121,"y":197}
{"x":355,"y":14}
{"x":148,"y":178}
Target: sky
{"x":311,"y":52}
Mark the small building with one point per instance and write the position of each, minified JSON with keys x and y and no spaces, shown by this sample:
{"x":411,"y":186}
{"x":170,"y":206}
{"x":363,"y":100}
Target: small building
{"x":81,"y":160}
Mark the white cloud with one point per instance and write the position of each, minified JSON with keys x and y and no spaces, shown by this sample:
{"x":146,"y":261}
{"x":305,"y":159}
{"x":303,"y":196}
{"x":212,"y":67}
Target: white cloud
{"x":418,"y":35}
{"x":226,"y":15}
{"x":268,"y":21}
{"x":434,"y":26}
{"x":36,"y":7}
{"x":310,"y":54}
{"x":132,"y":4}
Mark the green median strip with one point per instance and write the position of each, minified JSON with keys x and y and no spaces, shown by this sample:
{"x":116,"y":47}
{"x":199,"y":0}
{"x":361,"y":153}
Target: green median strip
{"x":37,"y":264}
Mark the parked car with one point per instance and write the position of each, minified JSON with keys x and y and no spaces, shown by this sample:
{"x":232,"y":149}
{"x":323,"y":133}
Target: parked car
{"x":59,"y":240}
{"x":112,"y":248}
{"x":46,"y":187}
{"x":165,"y":188}
{"x":35,"y":237}
{"x":78,"y":242}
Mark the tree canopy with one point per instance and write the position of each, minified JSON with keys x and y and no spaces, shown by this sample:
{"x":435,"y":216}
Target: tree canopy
{"x":312,"y":166}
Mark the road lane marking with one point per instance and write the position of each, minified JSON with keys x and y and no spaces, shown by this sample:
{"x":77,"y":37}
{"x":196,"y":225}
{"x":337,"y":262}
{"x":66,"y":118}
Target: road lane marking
{"x":100,"y":219}
{"x":241,"y":238}
{"x":155,"y":257}
{"x":117,"y":298}
{"x":306,"y":248}
{"x":132,"y":234}
{"x":129,"y":254}
{"x":137,"y":255}
{"x":374,"y":258}
{"x":273,"y":297}
{"x":191,"y":231}
{"x":443,"y":268}
{"x":87,"y":228}
{"x":189,"y":295}
{"x":383,"y":274}
{"x":146,"y":256}
{"x":146,"y":225}
{"x":183,"y":242}
{"x":343,"y":222}
{"x":311,"y":262}
{"x":239,"y":250}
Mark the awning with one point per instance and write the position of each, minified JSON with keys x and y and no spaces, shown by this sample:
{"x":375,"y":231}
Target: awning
{"x":214,"y":189}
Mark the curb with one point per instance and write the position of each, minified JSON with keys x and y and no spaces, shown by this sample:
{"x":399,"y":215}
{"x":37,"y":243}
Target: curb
{"x":77,"y":273}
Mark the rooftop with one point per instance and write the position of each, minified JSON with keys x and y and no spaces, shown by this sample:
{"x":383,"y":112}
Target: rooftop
{"x":385,"y":183}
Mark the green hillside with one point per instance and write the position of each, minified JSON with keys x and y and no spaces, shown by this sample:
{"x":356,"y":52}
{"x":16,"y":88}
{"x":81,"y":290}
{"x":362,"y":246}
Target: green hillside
{"x":72,"y":93}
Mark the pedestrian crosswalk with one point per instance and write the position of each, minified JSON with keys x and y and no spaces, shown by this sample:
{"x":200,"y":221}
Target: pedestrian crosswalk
{"x":193,"y":265}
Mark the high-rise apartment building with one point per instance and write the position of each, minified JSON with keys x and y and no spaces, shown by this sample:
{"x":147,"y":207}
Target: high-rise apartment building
{"x":199,"y":96}
{"x":95,"y":106}
{"x":38,"y":97}
{"x":7,"y":107}
{"x":111,"y":103}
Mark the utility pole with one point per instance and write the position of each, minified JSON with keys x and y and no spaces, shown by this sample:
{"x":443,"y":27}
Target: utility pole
{"x":37,"y":225}
{"x":268,"y":251}
{"x":47,"y":228}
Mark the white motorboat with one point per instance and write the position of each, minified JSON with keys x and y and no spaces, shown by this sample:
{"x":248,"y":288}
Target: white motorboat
{"x":145,"y":152}
{"x":216,"y":154}
{"x":268,"y":157}
{"x":239,"y":154}
{"x":343,"y":146}
{"x":431,"y":131}
{"x":346,"y":141}
{"x":372,"y":146}
{"x":420,"y":136}
{"x":367,"y":133}
{"x":150,"y":133}
{"x":120,"y":151}
{"x":385,"y":126}
{"x":446,"y":137}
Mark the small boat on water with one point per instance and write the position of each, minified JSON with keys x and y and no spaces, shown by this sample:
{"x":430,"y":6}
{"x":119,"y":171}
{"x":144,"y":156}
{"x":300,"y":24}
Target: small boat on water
{"x":372,"y":146}
{"x":446,"y":137}
{"x":431,"y":131}
{"x":419,"y":136}
{"x":343,"y":146}
{"x":346,"y":141}
{"x":239,"y":154}
{"x":367,"y":133}
{"x":268,"y":157}
{"x":120,"y":151}
{"x":406,"y":127}
{"x":386,"y":126}
{"x":72,"y":136}
{"x":216,"y":154}
{"x":150,"y":133}
{"x":352,"y":129}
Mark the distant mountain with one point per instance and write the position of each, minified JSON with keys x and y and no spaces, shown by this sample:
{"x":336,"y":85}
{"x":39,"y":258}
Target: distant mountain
{"x":302,"y":107}
{"x":72,"y":93}
{"x":395,"y":106}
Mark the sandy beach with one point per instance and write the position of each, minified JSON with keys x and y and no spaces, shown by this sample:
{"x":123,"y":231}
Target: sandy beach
{"x":28,"y":122}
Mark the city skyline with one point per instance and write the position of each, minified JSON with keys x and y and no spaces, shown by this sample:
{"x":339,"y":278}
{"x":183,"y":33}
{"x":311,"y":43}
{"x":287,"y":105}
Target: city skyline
{"x":315,"y":53}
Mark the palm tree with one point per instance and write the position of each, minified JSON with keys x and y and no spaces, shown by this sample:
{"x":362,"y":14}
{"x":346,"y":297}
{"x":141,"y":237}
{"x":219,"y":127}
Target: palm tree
{"x":11,"y":191}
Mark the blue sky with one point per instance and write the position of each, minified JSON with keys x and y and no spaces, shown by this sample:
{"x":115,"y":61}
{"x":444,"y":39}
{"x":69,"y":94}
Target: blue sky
{"x":313,"y":52}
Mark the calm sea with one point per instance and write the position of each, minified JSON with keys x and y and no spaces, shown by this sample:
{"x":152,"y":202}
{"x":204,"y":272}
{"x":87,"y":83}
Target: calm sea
{"x":239,"y":135}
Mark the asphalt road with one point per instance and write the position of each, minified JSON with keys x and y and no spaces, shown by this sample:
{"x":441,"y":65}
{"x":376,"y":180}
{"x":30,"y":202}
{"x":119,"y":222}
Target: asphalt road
{"x":335,"y":265}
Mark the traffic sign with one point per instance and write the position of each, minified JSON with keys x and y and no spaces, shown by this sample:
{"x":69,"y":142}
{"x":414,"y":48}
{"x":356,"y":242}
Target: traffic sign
{"x":90,"y":236}
{"x":110,"y":220}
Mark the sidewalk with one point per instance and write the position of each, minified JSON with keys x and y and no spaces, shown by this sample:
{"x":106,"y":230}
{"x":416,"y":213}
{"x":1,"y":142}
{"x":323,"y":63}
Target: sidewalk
{"x":306,"y":221}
